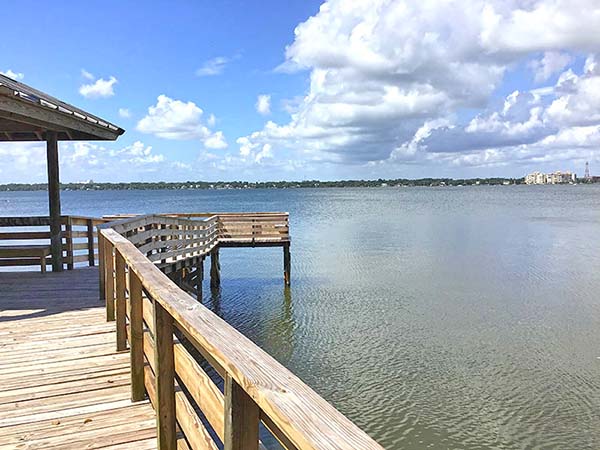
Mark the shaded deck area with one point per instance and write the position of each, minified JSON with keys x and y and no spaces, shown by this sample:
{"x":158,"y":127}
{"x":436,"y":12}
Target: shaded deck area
{"x":63,"y":385}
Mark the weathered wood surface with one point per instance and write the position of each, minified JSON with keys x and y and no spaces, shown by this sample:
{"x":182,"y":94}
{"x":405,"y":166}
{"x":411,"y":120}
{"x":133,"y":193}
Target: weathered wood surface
{"x":63,"y":386}
{"x":178,"y":242}
{"x":257,"y":387}
{"x":77,"y":239}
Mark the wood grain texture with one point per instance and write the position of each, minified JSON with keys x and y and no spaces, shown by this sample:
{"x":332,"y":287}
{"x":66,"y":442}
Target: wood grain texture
{"x":295,"y":412}
{"x":165,"y":378}
{"x":63,"y":385}
{"x":120,"y":302}
{"x":242,"y":417}
{"x":136,"y":338}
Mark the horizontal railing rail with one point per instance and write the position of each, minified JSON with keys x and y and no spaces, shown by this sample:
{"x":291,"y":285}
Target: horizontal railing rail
{"x":79,"y":238}
{"x":240,"y":228}
{"x":166,"y":329}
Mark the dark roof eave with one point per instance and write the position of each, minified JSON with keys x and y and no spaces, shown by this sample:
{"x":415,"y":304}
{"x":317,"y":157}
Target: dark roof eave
{"x":24,"y":104}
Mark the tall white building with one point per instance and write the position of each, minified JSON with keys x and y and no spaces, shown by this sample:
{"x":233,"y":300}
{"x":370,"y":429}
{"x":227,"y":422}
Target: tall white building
{"x":557,"y":177}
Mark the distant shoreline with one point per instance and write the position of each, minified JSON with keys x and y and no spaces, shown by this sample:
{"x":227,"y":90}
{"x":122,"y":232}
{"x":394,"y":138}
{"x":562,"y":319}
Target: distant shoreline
{"x":220,"y":185}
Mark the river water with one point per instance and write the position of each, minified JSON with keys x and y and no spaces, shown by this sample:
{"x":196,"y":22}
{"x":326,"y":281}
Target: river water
{"x":464,"y":317}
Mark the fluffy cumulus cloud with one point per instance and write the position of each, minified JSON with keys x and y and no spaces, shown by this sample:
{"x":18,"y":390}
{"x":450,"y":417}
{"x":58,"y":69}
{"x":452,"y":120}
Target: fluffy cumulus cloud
{"x":179,"y":120}
{"x":549,"y":64}
{"x":263,"y":104}
{"x":97,"y":87}
{"x":390,"y":80}
{"x":27,"y":161}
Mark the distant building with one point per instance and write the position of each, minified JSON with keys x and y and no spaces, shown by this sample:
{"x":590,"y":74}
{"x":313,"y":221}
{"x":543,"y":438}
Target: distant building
{"x":557,"y":177}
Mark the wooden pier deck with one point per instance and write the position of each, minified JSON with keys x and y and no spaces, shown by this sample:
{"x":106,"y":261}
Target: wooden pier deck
{"x":63,"y":385}
{"x":184,"y":378}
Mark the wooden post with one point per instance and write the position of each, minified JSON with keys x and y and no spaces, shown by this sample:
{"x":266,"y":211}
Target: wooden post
{"x":54,"y":200}
{"x":136,"y":338}
{"x":69,"y":243}
{"x":199,"y":279}
{"x":287,"y":264}
{"x":90,"y":242}
{"x":121,"y":305}
{"x":215,"y":269}
{"x":109,"y":280}
{"x":242,"y":417}
{"x":101,"y":268}
{"x":164,"y":363}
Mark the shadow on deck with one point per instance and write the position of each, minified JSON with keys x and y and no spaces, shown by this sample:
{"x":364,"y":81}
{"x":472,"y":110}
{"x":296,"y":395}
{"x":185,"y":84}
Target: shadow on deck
{"x":63,"y":384}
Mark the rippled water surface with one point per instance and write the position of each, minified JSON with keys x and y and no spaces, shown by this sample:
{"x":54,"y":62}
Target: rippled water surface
{"x":433,"y":317}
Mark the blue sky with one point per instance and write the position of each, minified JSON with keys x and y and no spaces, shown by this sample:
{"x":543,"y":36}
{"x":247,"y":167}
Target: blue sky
{"x":351,"y":89}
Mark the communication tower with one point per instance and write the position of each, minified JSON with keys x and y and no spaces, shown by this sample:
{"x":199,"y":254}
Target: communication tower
{"x":587,"y":171}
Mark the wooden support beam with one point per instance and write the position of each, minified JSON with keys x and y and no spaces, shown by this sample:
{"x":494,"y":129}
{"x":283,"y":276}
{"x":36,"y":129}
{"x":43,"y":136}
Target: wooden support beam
{"x":109,"y":280}
{"x":54,"y":200}
{"x":69,"y":239}
{"x":164,"y":363}
{"x":199,"y":279}
{"x":215,"y":269}
{"x":242,"y":417}
{"x":24,"y":112}
{"x":90,"y":243}
{"x":101,"y":268}
{"x":136,"y":339}
{"x":121,"y":305}
{"x":287,"y":264}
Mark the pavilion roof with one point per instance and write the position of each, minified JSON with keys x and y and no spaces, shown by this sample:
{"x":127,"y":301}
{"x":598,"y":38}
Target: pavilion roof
{"x":26,"y":114}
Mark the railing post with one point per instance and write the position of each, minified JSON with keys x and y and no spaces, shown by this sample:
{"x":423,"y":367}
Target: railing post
{"x":242,"y":417}
{"x":101,"y":268}
{"x":109,"y":280}
{"x":121,"y":305}
{"x":90,"y":243}
{"x":69,"y":242}
{"x":199,"y":277}
{"x":164,"y":364}
{"x":287,"y":264}
{"x":136,"y":338}
{"x":215,"y":268}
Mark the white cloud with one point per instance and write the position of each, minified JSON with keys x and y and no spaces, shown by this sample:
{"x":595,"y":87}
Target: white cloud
{"x":263,"y":104}
{"x":215,"y":141}
{"x":100,"y":88}
{"x":550,"y":64}
{"x":379,"y":71}
{"x":14,"y":75}
{"x":124,"y":113}
{"x":87,"y":75}
{"x":214,"y":66}
{"x":175,"y":119}
{"x":266,"y":152}
{"x":79,"y":160}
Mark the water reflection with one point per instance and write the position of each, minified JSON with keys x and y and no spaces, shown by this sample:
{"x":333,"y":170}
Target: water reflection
{"x":214,"y":300}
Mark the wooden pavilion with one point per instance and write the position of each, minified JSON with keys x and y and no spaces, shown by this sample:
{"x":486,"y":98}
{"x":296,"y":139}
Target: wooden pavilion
{"x":27,"y":114}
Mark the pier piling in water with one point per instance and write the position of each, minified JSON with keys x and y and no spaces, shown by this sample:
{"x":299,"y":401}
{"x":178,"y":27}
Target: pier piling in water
{"x":287,"y":264}
{"x":215,"y":269}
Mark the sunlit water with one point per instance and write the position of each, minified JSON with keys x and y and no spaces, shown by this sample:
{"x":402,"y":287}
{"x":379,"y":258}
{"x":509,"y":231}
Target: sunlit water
{"x":432,"y":317}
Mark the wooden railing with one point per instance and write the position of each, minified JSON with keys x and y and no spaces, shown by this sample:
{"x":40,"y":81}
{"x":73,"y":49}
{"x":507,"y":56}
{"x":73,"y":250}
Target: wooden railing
{"x":240,"y":228}
{"x":167,"y":240}
{"x":79,"y":245}
{"x":166,"y":329}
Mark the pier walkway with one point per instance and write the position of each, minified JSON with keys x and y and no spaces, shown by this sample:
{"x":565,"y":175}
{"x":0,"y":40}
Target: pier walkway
{"x":63,"y":384}
{"x":119,"y":355}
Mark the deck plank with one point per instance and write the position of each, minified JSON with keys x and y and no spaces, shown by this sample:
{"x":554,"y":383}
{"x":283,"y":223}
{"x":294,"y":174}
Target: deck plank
{"x":64,"y":385}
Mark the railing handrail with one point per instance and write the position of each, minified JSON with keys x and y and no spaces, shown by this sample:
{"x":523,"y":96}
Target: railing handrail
{"x":305,"y":418}
{"x":78,"y":247}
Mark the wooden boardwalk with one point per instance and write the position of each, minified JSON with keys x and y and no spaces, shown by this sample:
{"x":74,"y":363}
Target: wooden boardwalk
{"x":63,"y":385}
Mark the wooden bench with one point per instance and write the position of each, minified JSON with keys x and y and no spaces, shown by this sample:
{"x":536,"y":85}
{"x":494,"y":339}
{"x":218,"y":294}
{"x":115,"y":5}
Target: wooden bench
{"x":24,"y":255}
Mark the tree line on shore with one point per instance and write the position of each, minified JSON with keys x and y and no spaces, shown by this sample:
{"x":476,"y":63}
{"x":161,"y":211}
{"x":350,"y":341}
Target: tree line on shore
{"x":161,"y":185}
